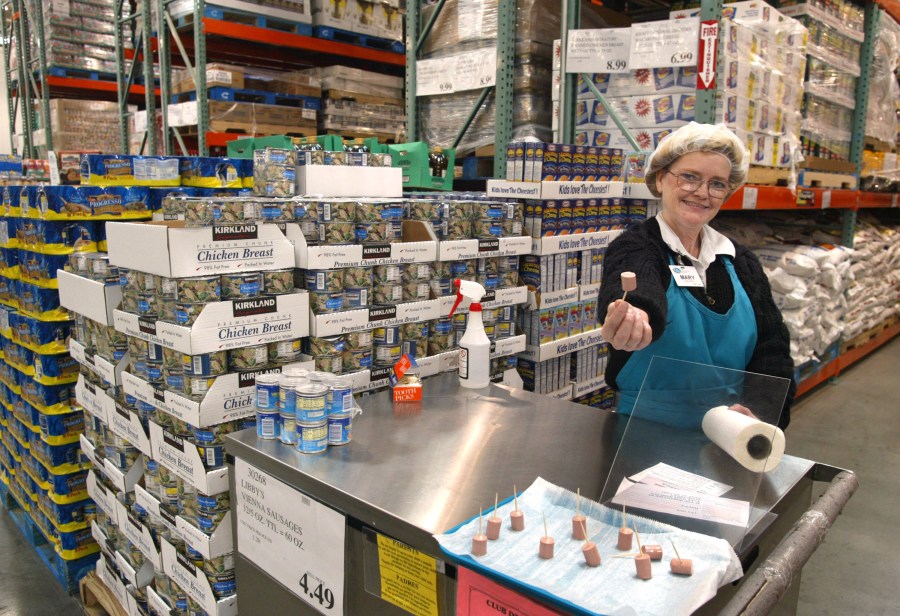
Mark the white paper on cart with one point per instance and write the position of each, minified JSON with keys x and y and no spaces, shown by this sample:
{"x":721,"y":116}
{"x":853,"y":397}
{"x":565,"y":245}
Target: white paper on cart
{"x":682,"y":503}
{"x":666,"y":476}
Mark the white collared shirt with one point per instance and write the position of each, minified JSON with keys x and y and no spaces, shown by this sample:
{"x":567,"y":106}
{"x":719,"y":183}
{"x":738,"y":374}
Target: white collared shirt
{"x":712,"y":243}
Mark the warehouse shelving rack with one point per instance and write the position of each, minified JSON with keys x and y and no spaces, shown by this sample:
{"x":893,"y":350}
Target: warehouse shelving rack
{"x":126,"y":72}
{"x":416,"y":35}
{"x":204,"y":39}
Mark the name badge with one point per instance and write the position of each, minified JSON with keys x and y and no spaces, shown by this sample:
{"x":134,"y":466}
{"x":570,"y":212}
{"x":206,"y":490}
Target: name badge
{"x":686,"y":276}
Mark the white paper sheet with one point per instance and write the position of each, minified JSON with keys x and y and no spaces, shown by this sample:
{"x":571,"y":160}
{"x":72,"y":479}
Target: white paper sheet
{"x":666,"y":476}
{"x":682,"y":503}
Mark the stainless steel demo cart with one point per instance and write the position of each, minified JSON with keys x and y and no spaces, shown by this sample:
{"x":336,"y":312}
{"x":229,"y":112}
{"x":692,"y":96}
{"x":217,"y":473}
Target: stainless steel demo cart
{"x":415,"y":471}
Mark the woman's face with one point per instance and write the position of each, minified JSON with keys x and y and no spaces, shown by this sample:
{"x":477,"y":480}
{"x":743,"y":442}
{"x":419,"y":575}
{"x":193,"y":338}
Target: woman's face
{"x":691,"y":209}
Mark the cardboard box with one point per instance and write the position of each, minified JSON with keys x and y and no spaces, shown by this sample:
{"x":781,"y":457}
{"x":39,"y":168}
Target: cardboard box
{"x":413,"y":159}
{"x":89,"y":298}
{"x":345,"y":181}
{"x":173,"y":250}
{"x":419,"y":246}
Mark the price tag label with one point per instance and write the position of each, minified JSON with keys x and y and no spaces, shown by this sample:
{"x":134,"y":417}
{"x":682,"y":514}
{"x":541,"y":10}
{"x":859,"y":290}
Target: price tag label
{"x":893,"y":204}
{"x":749,"y":202}
{"x":598,"y":51}
{"x":434,"y":77}
{"x":664,"y":43}
{"x":140,"y":120}
{"x":293,"y":538}
{"x":475,"y":70}
{"x":826,"y":199}
{"x":54,"y":167}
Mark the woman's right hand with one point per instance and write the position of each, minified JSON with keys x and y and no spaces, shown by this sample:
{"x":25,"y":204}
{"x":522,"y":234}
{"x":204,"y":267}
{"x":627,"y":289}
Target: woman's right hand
{"x":626,"y":328}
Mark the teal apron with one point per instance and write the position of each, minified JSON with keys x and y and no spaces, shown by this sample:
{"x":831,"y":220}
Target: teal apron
{"x":678,"y":393}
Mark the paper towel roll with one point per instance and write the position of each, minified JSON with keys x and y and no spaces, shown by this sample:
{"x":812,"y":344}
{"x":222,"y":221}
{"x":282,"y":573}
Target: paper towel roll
{"x":756,"y":445}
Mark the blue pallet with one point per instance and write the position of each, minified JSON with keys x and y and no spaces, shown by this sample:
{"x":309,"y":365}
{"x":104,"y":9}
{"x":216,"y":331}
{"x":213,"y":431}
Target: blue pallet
{"x":80,"y":73}
{"x":250,"y":19}
{"x":219,"y":93}
{"x":355,"y":38}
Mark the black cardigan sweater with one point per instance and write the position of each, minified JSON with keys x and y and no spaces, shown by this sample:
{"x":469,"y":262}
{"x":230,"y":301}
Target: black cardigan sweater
{"x":642,"y":250}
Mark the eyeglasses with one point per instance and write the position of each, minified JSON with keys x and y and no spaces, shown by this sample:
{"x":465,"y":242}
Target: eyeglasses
{"x":692,"y":183}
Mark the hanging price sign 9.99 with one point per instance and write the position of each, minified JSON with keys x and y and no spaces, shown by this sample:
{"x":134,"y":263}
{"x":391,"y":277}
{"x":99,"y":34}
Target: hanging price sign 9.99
{"x":293,"y":538}
{"x":598,"y":51}
{"x":664,"y":43}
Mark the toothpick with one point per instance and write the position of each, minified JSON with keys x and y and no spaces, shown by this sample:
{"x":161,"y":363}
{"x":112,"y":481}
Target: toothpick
{"x":624,"y":295}
{"x":638,"y":537}
{"x":546,"y":534}
{"x":624,"y":555}
{"x":584,"y":530}
{"x":578,"y":502}
{"x":515,"y":497}
{"x":676,"y":549}
{"x":624,"y":525}
{"x":480,"y":514}
{"x":495,"y":504}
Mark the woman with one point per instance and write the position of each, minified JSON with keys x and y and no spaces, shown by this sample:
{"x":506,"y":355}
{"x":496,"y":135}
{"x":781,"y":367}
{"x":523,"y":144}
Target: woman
{"x":728,"y":319}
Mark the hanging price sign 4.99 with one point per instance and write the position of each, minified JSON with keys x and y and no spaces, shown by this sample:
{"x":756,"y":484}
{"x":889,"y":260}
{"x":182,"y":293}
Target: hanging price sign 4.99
{"x":664,"y":43}
{"x":293,"y":538}
{"x":598,"y":51}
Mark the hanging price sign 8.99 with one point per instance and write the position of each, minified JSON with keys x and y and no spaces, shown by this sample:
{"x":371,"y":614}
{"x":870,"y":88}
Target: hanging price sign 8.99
{"x":598,"y":51}
{"x":471,"y":70}
{"x":664,"y":43}
{"x":293,"y":538}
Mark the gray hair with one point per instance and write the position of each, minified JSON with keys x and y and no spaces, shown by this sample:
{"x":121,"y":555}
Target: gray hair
{"x":696,"y":137}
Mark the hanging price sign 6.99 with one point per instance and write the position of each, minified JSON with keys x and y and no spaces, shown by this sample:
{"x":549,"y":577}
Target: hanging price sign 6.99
{"x":664,"y":43}
{"x":293,"y":538}
{"x":598,"y":51}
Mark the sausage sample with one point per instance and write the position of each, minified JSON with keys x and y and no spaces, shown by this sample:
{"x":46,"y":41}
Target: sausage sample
{"x":626,"y":536}
{"x":653,"y":551}
{"x":681,"y":566}
{"x":545,"y":550}
{"x":493,"y":527}
{"x":517,"y":520}
{"x":578,"y":525}
{"x":642,"y":566}
{"x":591,"y":554}
{"x":629,"y":281}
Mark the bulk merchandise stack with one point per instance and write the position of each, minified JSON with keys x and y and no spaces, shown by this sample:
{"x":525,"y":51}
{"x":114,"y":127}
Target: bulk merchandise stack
{"x":575,"y":204}
{"x":759,"y":85}
{"x":360,"y":104}
{"x":46,"y":229}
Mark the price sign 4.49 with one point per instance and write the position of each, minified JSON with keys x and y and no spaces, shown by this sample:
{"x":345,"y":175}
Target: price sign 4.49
{"x":316,"y":590}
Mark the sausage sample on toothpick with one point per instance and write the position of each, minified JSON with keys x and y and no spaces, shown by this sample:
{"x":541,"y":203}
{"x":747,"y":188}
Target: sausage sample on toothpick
{"x":479,"y":541}
{"x":545,"y":550}
{"x":578,"y":520}
{"x":516,"y":517}
{"x":494,"y":523}
{"x":642,"y":561}
{"x":629,"y":283}
{"x":679,"y":565}
{"x":625,"y":534}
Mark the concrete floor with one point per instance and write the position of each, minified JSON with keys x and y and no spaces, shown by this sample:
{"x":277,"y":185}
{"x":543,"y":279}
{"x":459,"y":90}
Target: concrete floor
{"x":853,"y":424}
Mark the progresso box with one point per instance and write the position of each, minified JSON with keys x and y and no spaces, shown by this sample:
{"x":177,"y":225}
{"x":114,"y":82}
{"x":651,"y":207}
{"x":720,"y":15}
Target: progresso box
{"x":124,"y":170}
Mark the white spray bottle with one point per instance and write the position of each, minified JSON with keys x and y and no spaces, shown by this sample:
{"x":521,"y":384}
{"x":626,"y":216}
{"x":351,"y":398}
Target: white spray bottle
{"x":474,"y":346}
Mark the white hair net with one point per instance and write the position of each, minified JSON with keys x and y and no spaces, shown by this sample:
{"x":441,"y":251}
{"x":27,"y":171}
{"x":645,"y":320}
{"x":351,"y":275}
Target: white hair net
{"x":696,"y":137}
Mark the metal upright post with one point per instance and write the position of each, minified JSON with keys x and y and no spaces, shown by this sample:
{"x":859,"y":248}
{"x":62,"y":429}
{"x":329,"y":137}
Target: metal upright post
{"x":149,"y":81}
{"x":412,"y":54}
{"x":866,"y":54}
{"x":503,"y":90}
{"x":37,"y":14}
{"x":571,"y":20}
{"x":26,"y":81}
{"x":12,"y":102}
{"x":705,"y":111}
{"x":164,"y":55}
{"x":123,"y":83}
{"x":200,"y":77}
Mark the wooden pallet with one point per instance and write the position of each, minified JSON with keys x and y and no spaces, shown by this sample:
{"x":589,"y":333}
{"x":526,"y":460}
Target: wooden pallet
{"x":870,"y":334}
{"x":769,"y":176}
{"x":363,"y":99}
{"x":97,"y":598}
{"x":821,"y":179}
{"x":254,"y":129}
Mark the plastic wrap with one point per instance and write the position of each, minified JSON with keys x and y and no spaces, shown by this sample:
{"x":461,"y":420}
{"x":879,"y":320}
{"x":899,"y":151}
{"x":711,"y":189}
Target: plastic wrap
{"x":303,"y":83}
{"x":881,"y":113}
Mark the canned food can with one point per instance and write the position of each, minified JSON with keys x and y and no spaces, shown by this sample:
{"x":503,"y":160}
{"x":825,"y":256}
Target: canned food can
{"x":213,"y":455}
{"x":416,"y":290}
{"x":155,"y":372}
{"x":154,"y":352}
{"x":174,"y":380}
{"x":278,"y":282}
{"x":146,"y":304}
{"x":305,"y":209}
{"x":287,"y":394}
{"x":379,"y":211}
{"x":386,"y":274}
{"x":337,"y":232}
{"x":288,"y":429}
{"x":249,"y":358}
{"x":386,"y":354}
{"x":196,"y":387}
{"x":321,"y":281}
{"x":186,"y":314}
{"x":504,"y":329}
{"x":167,"y":287}
{"x":167,"y":309}
{"x":326,"y":346}
{"x":284,"y":351}
{"x":337,"y":211}
{"x":442,"y":287}
{"x":267,"y":392}
{"x":207,"y":523}
{"x":241,"y":286}
{"x":424,"y":209}
{"x":198,"y":289}
{"x":312,"y":436}
{"x":417,"y":348}
{"x":388,"y":294}
{"x":268,"y":425}
{"x":207,"y":364}
{"x":333,"y":364}
{"x":274,"y":210}
{"x":339,"y":428}
{"x":487,"y":266}
{"x":456,"y":210}
{"x":311,"y":402}
{"x":511,"y":228}
{"x":465,"y":268}
{"x":323,"y":303}
{"x":509,"y":279}
{"x":386,"y":335}
{"x":356,"y":297}
{"x":379,"y":232}
{"x":418,"y":272}
{"x":358,"y":277}
{"x":357,"y":359}
{"x":458,"y":229}
{"x":489,"y":315}
{"x":359,"y":340}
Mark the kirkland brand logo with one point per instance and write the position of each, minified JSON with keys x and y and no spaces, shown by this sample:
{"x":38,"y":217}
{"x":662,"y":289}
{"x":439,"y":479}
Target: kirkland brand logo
{"x":227,"y":233}
{"x":488,"y":245}
{"x":377,"y":374}
{"x":167,"y":516}
{"x":489,"y":296}
{"x":175,"y":442}
{"x":249,"y":307}
{"x":381,"y":314}
{"x":184,"y":562}
{"x":376,"y":251}
{"x":248,"y":379}
{"x":121,"y":410}
{"x":159,"y":394}
{"x":147,"y":327}
{"x":90,"y":387}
